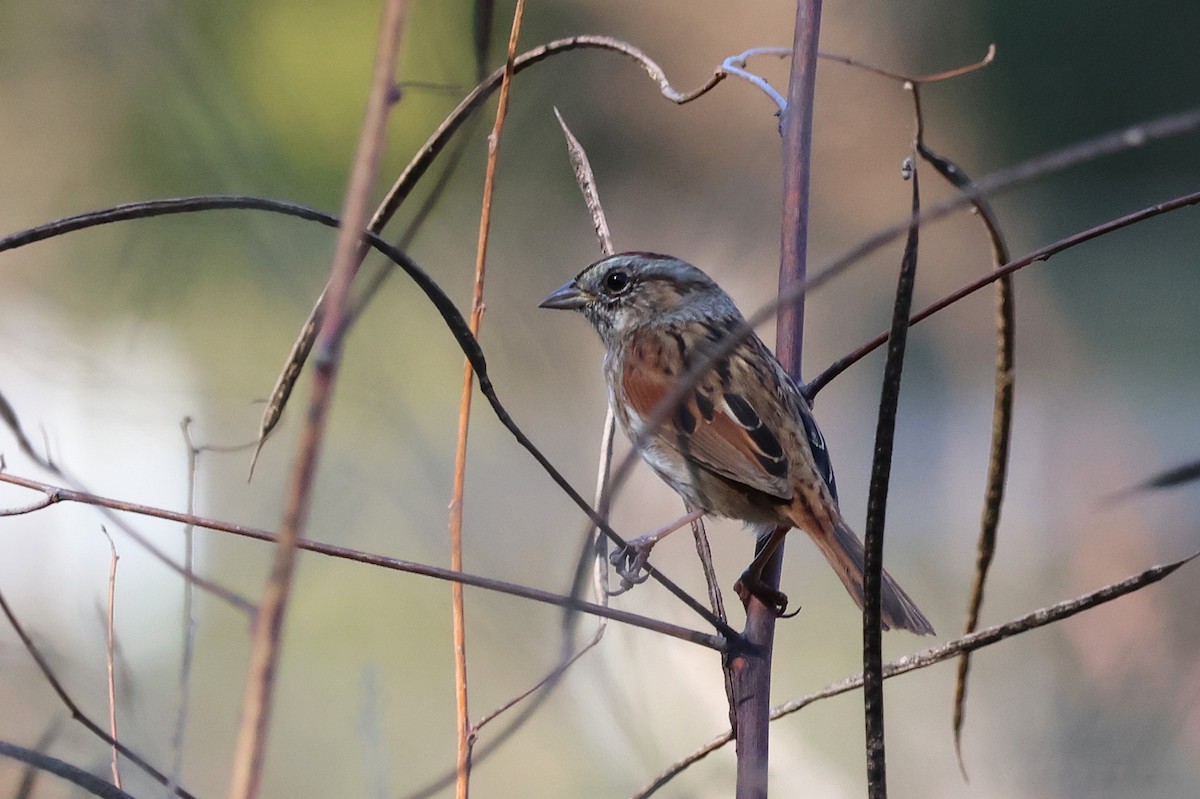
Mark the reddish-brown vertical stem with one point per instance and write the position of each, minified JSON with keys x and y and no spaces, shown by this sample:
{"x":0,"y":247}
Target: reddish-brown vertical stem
{"x":466,"y":732}
{"x":267,"y":639}
{"x":751,"y":666}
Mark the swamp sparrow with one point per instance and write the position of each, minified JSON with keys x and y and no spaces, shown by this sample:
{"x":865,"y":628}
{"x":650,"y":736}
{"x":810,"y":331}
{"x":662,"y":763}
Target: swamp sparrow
{"x":742,"y":443}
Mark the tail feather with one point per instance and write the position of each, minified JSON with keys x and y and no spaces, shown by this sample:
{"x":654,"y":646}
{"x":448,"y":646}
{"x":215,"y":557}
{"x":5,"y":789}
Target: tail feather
{"x":844,"y":551}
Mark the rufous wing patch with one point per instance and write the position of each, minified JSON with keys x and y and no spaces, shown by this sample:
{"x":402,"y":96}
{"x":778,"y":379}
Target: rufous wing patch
{"x":718,"y":431}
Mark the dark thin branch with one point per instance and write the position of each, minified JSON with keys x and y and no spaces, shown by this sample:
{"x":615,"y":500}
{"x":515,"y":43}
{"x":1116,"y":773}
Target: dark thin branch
{"x":873,"y":534}
{"x":915,"y":80}
{"x":1042,"y":254}
{"x":1180,"y":475}
{"x":72,"y":708}
{"x":73,"y":774}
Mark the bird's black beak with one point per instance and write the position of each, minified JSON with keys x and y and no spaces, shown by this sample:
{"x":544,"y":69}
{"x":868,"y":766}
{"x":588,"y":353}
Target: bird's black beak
{"x":570,"y":297}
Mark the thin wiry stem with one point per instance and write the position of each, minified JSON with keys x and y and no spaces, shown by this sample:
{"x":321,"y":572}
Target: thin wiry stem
{"x":72,"y":708}
{"x":465,"y":733}
{"x":916,"y":80}
{"x":109,"y":648}
{"x":183,"y":687}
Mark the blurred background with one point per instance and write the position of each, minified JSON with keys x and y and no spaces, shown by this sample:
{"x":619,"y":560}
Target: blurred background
{"x":110,"y":337}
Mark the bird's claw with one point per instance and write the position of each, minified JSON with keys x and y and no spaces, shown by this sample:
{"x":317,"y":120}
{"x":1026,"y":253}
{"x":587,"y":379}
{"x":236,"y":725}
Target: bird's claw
{"x":631,"y":562}
{"x":752,"y":586}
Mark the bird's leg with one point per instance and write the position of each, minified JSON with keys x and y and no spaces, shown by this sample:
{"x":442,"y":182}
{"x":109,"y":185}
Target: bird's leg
{"x":751,"y":583}
{"x":630,"y":560}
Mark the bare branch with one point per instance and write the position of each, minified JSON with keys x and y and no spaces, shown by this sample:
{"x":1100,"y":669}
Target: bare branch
{"x":189,"y":620}
{"x":1042,"y":254}
{"x":850,"y":61}
{"x":108,"y":655}
{"x":1177,"y":476}
{"x":250,"y":750}
{"x":1002,"y":410}
{"x":465,"y":733}
{"x":73,"y":774}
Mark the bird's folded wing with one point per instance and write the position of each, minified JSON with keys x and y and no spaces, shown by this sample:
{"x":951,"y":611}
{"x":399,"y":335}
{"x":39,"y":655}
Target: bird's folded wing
{"x":714,"y":426}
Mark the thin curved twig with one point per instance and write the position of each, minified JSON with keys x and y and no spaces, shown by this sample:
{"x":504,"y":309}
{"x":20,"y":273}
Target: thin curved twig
{"x":61,"y":768}
{"x":1003,"y":393}
{"x":736,"y":65}
{"x":882,"y":72}
{"x":1040,"y":255}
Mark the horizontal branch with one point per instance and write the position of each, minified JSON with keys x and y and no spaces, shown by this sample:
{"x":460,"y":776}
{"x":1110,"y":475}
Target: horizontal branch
{"x":59,"y":494}
{"x":1001,"y":272}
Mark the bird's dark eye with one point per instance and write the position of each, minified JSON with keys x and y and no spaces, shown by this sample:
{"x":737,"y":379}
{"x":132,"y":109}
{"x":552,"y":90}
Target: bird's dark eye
{"x":616,"y":281}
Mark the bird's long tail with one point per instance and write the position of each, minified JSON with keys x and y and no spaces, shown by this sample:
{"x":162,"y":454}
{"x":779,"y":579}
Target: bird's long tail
{"x":844,"y":551}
